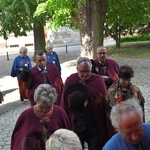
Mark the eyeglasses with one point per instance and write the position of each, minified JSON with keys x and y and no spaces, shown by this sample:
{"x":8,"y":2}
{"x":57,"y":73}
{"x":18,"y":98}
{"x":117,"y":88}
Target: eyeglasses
{"x":100,"y":53}
{"x":43,"y":108}
{"x":84,"y":72}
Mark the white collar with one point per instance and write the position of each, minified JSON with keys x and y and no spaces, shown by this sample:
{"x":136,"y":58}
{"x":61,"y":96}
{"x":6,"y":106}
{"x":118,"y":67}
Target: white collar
{"x":41,"y":69}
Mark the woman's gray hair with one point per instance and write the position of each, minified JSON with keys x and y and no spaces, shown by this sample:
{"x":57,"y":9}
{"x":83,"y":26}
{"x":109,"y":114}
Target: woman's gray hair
{"x":49,"y":46}
{"x":23,"y":49}
{"x":128,"y":106}
{"x":45,"y":94}
{"x":84,"y":59}
{"x":63,"y":139}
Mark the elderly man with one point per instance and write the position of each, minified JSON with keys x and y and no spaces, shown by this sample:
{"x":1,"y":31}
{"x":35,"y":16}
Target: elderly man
{"x":43,"y":73}
{"x":126,"y":118}
{"x":84,"y":94}
{"x":107,"y":68}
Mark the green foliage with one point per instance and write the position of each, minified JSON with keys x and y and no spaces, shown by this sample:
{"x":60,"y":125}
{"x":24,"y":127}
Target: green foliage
{"x":17,"y":16}
{"x":60,"y":12}
{"x":126,"y":15}
{"x":145,"y":37}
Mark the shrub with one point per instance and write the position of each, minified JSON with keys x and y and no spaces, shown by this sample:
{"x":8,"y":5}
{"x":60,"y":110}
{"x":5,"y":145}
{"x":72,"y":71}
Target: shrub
{"x":145,"y":37}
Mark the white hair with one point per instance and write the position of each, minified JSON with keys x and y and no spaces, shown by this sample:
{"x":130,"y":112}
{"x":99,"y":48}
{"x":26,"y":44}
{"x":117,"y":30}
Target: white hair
{"x":23,"y":49}
{"x":45,"y":94}
{"x":63,"y":139}
{"x":128,"y":106}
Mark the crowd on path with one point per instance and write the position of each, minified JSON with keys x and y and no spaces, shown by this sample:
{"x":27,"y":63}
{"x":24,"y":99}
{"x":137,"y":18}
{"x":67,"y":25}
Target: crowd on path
{"x":84,"y":101}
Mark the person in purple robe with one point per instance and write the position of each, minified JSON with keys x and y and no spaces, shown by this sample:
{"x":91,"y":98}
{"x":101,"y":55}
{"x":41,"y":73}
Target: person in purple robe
{"x":52,"y":56}
{"x":17,"y":68}
{"x":86,"y":111}
{"x":43,"y":73}
{"x":107,"y":68}
{"x":35,"y":124}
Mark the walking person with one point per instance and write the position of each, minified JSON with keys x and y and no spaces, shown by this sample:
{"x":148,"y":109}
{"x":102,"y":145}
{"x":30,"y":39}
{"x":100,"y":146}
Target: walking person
{"x":43,"y":73}
{"x":121,"y":90}
{"x":35,"y":124}
{"x":106,"y":67}
{"x":17,"y":68}
{"x":83,"y":100}
{"x":52,"y":56}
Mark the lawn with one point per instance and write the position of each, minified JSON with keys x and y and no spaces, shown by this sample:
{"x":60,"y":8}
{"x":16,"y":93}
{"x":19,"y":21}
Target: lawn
{"x":131,"y":49}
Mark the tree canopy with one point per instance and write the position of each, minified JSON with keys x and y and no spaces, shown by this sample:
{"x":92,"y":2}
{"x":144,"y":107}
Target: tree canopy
{"x":89,"y":16}
{"x":16,"y":16}
{"x":86,"y":15}
{"x":126,"y":16}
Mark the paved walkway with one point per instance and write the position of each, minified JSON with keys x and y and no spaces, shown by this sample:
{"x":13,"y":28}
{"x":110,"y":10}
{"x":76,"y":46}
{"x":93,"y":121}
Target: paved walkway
{"x":12,"y":107}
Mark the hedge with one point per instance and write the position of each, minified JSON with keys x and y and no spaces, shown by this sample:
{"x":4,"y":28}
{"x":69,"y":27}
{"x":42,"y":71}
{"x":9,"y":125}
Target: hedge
{"x":145,"y":37}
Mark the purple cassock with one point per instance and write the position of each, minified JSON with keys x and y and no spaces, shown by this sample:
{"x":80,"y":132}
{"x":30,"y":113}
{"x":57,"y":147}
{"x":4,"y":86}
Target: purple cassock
{"x":31,"y":133}
{"x":110,"y":68}
{"x":51,"y":76}
{"x":97,"y":88}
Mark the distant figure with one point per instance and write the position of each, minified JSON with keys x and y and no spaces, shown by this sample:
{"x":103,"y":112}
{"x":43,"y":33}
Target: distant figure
{"x":52,"y":56}
{"x":17,"y":68}
{"x":63,"y":139}
{"x":43,"y":73}
{"x":107,"y":68}
{"x":35,"y":124}
{"x":126,"y":118}
{"x":83,"y":100}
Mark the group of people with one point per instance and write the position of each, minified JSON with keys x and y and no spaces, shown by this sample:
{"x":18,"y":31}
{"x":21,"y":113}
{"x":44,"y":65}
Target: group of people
{"x":92,"y":105}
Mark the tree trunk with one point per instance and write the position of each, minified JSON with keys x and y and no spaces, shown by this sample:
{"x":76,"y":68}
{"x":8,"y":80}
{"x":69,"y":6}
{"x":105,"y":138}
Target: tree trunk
{"x":117,"y":38}
{"x":39,"y":37}
{"x":90,"y":21}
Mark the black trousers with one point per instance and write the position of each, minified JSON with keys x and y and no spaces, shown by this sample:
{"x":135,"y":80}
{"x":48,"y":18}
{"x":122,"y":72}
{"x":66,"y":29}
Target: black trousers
{"x":92,"y":140}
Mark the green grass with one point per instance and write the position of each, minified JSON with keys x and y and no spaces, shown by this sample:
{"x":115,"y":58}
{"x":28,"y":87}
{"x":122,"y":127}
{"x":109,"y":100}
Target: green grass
{"x":131,"y":49}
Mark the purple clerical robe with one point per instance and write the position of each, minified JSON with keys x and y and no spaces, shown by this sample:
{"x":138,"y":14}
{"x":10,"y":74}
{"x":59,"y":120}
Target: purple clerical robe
{"x":31,"y":133}
{"x":38,"y":78}
{"x":97,"y":88}
{"x":111,"y":70}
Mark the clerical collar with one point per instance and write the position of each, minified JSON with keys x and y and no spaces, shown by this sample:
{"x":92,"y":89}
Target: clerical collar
{"x":102,"y":63}
{"x":41,"y":69}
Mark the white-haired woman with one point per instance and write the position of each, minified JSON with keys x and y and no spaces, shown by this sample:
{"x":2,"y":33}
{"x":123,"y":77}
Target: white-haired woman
{"x":19,"y":62}
{"x":52,"y":56}
{"x":63,"y":139}
{"x":37,"y":123}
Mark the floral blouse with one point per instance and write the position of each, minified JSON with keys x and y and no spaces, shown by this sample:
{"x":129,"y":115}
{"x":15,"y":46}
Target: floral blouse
{"x":116,"y":94}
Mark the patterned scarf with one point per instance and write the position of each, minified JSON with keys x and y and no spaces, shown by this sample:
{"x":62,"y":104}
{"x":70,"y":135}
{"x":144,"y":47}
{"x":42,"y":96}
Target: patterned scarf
{"x":117,"y":94}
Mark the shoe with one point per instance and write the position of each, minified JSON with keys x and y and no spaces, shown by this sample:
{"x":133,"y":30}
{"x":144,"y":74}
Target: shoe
{"x":22,"y":100}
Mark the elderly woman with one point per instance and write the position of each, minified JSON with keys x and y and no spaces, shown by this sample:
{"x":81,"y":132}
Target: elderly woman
{"x":52,"y":56}
{"x":63,"y":139}
{"x":37,"y":123}
{"x":122,"y":90}
{"x":19,"y":62}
